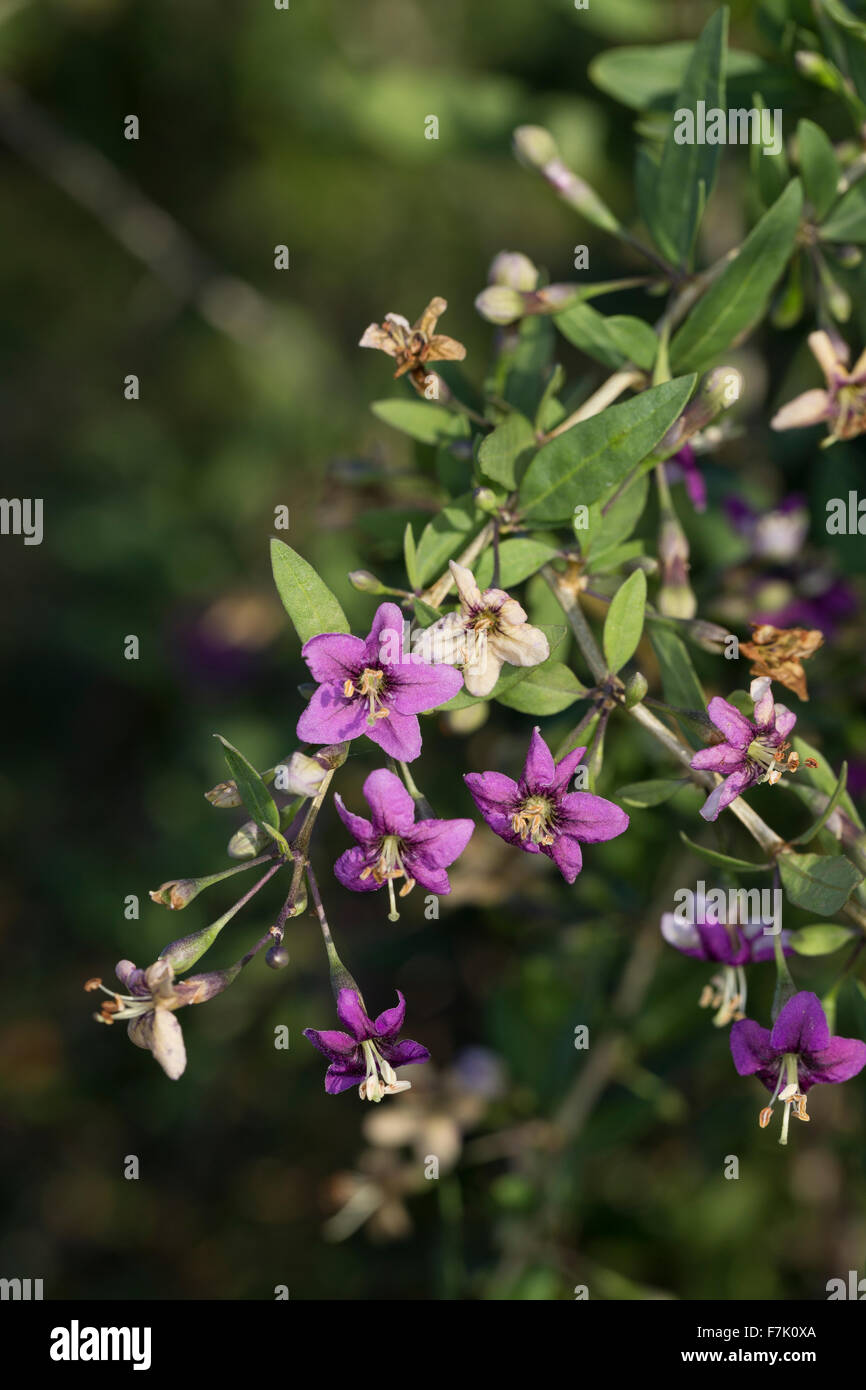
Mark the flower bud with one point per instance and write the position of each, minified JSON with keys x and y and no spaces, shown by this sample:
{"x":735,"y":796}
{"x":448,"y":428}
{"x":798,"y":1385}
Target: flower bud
{"x":366,"y":583}
{"x":534,"y":146}
{"x":675,"y":598}
{"x":224,"y":795}
{"x":177,"y":892}
{"x":499,"y":304}
{"x":848,"y":257}
{"x":485,"y":499}
{"x":247,"y":842}
{"x":709,"y":636}
{"x":513,"y":270}
{"x":635,"y":688}
{"x":719,"y":390}
{"x":301,"y":776}
{"x":553,"y":298}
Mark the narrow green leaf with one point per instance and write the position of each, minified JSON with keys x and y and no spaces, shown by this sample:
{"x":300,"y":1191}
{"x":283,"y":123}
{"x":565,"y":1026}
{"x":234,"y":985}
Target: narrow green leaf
{"x":687,"y":172}
{"x":410,"y":556}
{"x":444,"y":535}
{"x":586,"y":461}
{"x":823,"y":777}
{"x":636,"y":340}
{"x":728,"y":861}
{"x":651,"y":793}
{"x":505,"y":452}
{"x":611,"y":522}
{"x":825,"y":815}
{"x":429,"y":424}
{"x":679,"y":678}
{"x":847,"y":221}
{"x":819,"y":166}
{"x":587,"y":329}
{"x":546,"y":689}
{"x":518,"y":559}
{"x":306,"y":598}
{"x":646,"y":75}
{"x":820,"y":938}
{"x":623,"y":624}
{"x":818,"y":882}
{"x":737,"y":301}
{"x":253,"y":792}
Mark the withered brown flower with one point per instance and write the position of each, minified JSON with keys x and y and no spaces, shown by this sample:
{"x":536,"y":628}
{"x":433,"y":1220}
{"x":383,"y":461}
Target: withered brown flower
{"x":778,"y":652}
{"x":414,"y":345}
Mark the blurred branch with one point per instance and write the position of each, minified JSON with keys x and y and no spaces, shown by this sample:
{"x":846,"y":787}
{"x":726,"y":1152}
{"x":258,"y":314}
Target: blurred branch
{"x":147,"y":231}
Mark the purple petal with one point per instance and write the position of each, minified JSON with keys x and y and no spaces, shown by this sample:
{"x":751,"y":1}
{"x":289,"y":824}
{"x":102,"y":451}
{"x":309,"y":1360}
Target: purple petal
{"x":728,"y":720}
{"x":539,"y":770}
{"x":682,"y":936}
{"x":762,"y":694}
{"x":434,"y":880}
{"x":384,"y":646}
{"x":726,"y":792}
{"x":591,"y":818}
{"x":330,"y":1042}
{"x":339,"y":1078}
{"x":331,"y":718}
{"x":350,"y":1011}
{"x":334,"y":656}
{"x":389,"y":1023}
{"x":357,"y":826}
{"x":692,"y":477}
{"x":392,"y":806}
{"x":495,"y":795}
{"x":801,"y":1025}
{"x":566,"y":855}
{"x":751,"y":1047}
{"x":721,"y":757}
{"x":399,"y":736}
{"x":844,"y":1058}
{"x":438,"y":842}
{"x":785,"y":720}
{"x":565,"y":767}
{"x":718,"y":946}
{"x":402,"y":1053}
{"x":349,"y":867}
{"x":416,"y":687}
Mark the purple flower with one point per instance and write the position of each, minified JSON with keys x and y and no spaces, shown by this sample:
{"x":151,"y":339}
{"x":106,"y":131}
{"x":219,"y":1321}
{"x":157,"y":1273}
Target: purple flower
{"x":798,"y":1052}
{"x":392,"y":846}
{"x":753,"y":750}
{"x":367,"y":1054}
{"x":683,"y":465}
{"x":539,"y":814}
{"x":372,"y":687}
{"x":732,"y":946}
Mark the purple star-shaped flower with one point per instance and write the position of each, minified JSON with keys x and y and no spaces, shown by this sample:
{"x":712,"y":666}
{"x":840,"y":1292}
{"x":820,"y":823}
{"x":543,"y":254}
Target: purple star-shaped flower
{"x":392,"y":846}
{"x":753,"y":750}
{"x":367,"y":1054}
{"x":373,"y":687}
{"x":539,"y":814}
{"x":798,"y":1052}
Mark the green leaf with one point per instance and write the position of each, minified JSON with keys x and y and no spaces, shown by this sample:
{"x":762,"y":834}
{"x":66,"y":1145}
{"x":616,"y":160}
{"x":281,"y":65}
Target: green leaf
{"x":651,"y":793}
{"x":587,"y":329}
{"x":715,"y":856}
{"x":636,"y":340}
{"x":612,"y":522}
{"x":624,"y":622}
{"x":845,"y":19}
{"x":546,"y":689}
{"x":847,"y":221}
{"x":410,"y":556}
{"x":444,"y":535}
{"x":252,"y":789}
{"x":825,"y":815}
{"x":820,"y":938}
{"x":429,"y":424}
{"x":518,"y":559}
{"x":511,"y":675}
{"x":306,"y":598}
{"x":505,"y":452}
{"x":819,"y":166}
{"x":823,"y":777}
{"x":737,"y":301}
{"x":593,"y":456}
{"x":819,"y":882}
{"x":679,"y":680}
{"x":644,"y":75}
{"x":769,"y":169}
{"x":687,"y":172}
